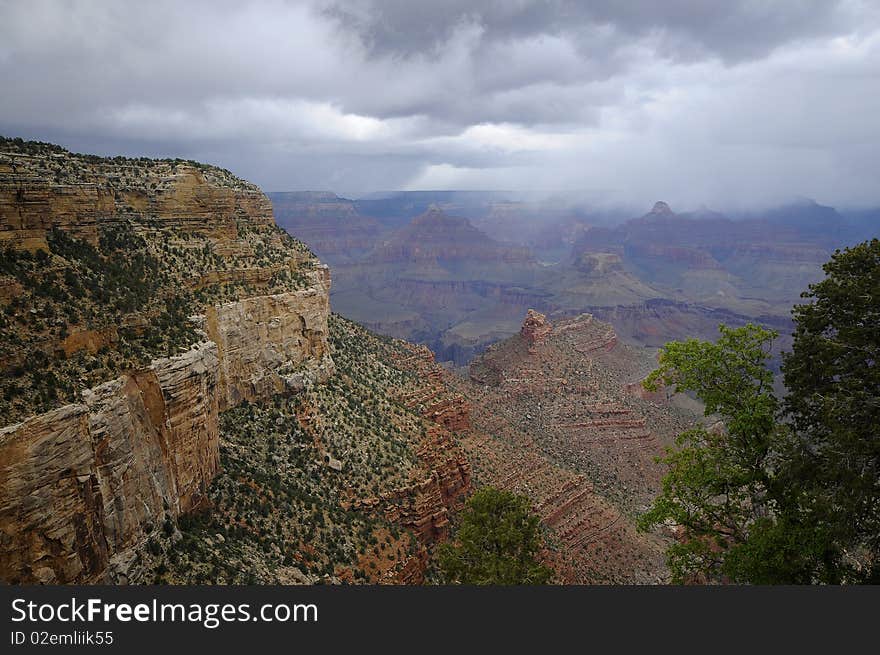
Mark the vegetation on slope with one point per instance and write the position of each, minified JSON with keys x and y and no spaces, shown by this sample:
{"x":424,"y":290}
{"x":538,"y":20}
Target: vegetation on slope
{"x":81,"y":287}
{"x":85,"y":313}
{"x":280,"y":513}
{"x":62,"y":166}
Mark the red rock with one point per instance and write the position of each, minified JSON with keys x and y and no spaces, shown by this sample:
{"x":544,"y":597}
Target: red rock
{"x":535,"y":328}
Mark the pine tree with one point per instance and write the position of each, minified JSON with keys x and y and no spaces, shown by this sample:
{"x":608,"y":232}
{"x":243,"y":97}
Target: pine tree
{"x":496,"y":544}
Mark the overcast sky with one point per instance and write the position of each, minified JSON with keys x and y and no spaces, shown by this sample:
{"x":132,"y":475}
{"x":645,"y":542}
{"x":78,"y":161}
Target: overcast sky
{"x":727,"y":103}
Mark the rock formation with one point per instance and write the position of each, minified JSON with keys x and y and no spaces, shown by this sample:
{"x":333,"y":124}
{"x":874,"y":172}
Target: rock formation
{"x":554,"y":417}
{"x":535,"y":327}
{"x":84,"y":484}
{"x":44,"y":186}
{"x":269,"y":344}
{"x":660,"y":208}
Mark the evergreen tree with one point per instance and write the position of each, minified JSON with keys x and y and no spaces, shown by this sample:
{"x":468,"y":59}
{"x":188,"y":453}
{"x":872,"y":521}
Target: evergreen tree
{"x":719,"y":484}
{"x":833,"y":377}
{"x":496,"y":543}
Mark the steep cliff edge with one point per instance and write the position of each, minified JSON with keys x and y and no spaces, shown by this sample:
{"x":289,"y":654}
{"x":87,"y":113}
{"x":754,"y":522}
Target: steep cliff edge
{"x":82,"y":484}
{"x":44,"y":186}
{"x":173,"y":405}
{"x":148,"y":297}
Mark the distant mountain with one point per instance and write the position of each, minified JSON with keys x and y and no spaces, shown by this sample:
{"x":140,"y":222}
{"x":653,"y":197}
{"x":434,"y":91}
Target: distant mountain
{"x":435,"y":236}
{"x":862,"y":224}
{"x":441,"y":281}
{"x":456,"y":269}
{"x":331,"y":226}
{"x":396,"y":209}
{"x":809,"y":219}
{"x":758,"y":263}
{"x":545,"y":222}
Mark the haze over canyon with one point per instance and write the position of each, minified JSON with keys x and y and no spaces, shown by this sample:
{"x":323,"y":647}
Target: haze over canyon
{"x":325,"y":292}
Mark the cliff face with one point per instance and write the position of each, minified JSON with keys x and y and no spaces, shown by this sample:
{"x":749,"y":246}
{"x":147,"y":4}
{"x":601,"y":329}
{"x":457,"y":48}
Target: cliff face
{"x":269,"y":344}
{"x":44,"y":186}
{"x":134,"y":259}
{"x":353,"y":480}
{"x":82,"y":484}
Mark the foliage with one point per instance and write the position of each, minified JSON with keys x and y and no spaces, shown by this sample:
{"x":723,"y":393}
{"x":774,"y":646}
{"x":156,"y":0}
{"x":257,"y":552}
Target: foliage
{"x":786,"y":494}
{"x":718,"y":481}
{"x":833,"y":403}
{"x":496,"y":543}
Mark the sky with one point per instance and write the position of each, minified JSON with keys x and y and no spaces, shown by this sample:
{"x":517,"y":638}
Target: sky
{"x":733,"y":104}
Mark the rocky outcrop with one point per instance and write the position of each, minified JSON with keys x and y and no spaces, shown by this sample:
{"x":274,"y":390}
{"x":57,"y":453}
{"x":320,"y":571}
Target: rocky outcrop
{"x":552,"y":418}
{"x":43,"y":186}
{"x":269,"y":344}
{"x":82,"y":486}
{"x":433,"y":399}
{"x":535,"y":327}
{"x":661,"y":208}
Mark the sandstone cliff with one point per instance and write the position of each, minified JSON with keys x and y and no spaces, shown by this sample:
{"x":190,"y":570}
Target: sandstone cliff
{"x":82,"y":484}
{"x":269,"y":344}
{"x":172,"y":397}
{"x":43,"y":186}
{"x":112,"y":263}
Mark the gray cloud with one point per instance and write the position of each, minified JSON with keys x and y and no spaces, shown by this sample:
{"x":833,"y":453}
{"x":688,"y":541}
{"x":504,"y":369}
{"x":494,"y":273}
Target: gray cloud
{"x":731,"y":103}
{"x":687,"y":28}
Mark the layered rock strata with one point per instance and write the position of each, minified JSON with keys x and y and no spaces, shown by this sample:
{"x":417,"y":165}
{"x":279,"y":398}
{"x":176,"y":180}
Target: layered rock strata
{"x":44,"y":186}
{"x":82,"y":486}
{"x":271,"y":344}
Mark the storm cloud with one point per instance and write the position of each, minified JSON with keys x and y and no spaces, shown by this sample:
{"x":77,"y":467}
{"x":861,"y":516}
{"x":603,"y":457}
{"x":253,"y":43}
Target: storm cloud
{"x":732,"y":104}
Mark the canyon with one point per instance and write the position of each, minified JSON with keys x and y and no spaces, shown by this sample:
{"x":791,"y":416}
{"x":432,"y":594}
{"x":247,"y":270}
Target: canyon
{"x":181,"y":405}
{"x":558,"y":414}
{"x":456,"y":271}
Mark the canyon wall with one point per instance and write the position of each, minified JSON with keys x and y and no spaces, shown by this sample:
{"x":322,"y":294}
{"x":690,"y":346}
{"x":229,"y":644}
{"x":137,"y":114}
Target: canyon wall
{"x":84,"y":485}
{"x":270,"y":344}
{"x":81,"y":485}
{"x":48,"y":187}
